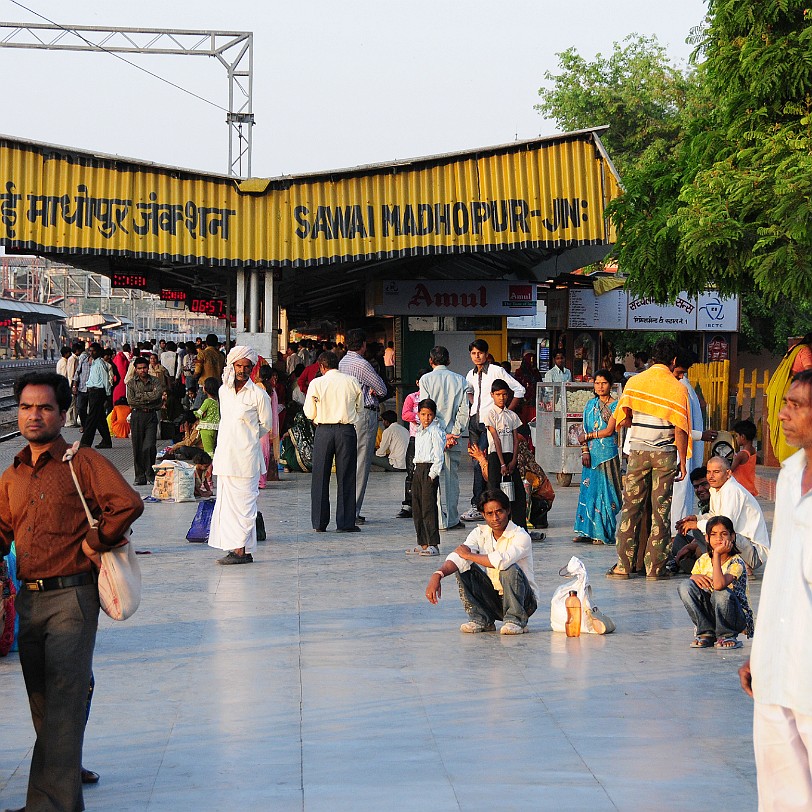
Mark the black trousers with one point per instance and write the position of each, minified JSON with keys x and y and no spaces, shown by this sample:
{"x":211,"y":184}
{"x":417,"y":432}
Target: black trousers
{"x":518,"y":507}
{"x":424,"y":506}
{"x":144,"y":433}
{"x":96,"y":416}
{"x":333,"y":441}
{"x":407,"y":485}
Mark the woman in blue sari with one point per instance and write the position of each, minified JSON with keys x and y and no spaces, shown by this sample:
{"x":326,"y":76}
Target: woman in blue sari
{"x":600,"y":497}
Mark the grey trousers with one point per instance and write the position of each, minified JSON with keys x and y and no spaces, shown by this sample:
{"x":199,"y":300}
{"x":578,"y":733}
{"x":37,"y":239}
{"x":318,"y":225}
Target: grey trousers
{"x":448,"y":500}
{"x":366,"y":429}
{"x":57,"y":637}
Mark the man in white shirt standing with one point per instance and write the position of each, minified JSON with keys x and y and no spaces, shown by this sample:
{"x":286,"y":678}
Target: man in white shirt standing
{"x":777,"y":675}
{"x":479,"y":381}
{"x":729,"y":498}
{"x":333,"y":402}
{"x":449,"y":391}
{"x":245,"y":415}
{"x":494,"y":570}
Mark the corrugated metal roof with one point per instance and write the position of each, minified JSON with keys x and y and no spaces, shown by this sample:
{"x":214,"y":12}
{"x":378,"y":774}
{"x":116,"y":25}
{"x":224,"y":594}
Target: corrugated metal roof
{"x":30,"y":311}
{"x":546,"y":193}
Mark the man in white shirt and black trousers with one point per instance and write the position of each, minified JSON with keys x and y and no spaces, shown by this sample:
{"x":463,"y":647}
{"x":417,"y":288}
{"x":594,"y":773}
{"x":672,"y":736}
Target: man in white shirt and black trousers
{"x":494,"y":570}
{"x":333,"y":402}
{"x":777,"y":675}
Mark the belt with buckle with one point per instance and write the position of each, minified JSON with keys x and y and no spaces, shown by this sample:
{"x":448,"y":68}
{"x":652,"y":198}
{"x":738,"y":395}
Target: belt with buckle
{"x":59,"y":582}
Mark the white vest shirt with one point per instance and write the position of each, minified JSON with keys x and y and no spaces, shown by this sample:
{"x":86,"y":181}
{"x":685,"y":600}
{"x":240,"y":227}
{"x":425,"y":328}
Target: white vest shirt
{"x":244,"y":417}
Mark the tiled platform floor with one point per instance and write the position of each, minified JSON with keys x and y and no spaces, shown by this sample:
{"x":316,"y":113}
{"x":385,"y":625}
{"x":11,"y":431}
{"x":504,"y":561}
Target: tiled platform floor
{"x":319,"y":678}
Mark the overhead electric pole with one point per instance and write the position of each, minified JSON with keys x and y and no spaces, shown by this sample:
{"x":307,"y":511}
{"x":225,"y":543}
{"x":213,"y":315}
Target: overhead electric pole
{"x":233,"y":49}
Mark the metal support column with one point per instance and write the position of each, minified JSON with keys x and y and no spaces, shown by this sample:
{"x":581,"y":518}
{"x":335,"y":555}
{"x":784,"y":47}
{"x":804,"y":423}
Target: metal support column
{"x":253,"y":302}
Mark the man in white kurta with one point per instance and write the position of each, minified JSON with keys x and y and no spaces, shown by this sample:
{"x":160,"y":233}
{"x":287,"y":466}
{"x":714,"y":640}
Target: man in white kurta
{"x":778,"y":674}
{"x":245,"y":416}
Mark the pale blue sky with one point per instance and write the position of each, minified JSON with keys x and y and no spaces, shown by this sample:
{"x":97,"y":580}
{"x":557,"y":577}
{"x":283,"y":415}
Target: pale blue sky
{"x":336,"y":84}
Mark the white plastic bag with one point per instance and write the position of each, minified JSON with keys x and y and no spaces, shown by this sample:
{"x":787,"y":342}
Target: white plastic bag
{"x":174,"y":480}
{"x":580,"y":582}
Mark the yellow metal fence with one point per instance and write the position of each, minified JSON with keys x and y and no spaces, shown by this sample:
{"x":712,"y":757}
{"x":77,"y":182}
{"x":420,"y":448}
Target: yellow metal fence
{"x":712,"y":383}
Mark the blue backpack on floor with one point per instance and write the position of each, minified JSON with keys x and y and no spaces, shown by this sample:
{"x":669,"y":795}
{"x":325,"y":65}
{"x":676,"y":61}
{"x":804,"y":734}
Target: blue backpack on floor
{"x":201,"y":524}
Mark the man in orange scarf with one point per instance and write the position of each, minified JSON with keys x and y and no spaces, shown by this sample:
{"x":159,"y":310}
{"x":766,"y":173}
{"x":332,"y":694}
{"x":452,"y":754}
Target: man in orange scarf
{"x":655,"y":405}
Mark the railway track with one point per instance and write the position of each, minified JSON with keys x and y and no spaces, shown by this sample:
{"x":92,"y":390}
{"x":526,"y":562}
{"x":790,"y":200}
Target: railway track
{"x":9,"y":372}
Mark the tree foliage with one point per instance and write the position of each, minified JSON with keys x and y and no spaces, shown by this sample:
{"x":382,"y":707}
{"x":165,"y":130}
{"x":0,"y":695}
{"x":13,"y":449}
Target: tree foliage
{"x":731,"y":205}
{"x":716,"y":161}
{"x":636,"y":90}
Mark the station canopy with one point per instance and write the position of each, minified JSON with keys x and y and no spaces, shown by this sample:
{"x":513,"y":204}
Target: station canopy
{"x":528,"y":210}
{"x":30,"y":312}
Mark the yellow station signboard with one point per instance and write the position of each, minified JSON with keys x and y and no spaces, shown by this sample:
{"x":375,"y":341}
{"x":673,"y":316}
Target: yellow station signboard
{"x":544,"y":193}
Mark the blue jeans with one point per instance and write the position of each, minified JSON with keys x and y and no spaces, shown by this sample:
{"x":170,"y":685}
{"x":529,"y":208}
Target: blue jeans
{"x":484,"y":604}
{"x":716,"y":613}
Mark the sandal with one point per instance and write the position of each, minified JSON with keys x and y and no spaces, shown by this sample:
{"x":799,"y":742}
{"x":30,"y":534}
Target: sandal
{"x":582,"y":540}
{"x":728,"y":642}
{"x":618,"y":574}
{"x":702,"y":641}
{"x":414,"y":551}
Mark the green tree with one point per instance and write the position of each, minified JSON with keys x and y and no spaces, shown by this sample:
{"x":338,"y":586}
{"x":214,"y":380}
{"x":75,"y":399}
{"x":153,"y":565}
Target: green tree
{"x":688,"y":218}
{"x":731,"y":205}
{"x":636,"y":90}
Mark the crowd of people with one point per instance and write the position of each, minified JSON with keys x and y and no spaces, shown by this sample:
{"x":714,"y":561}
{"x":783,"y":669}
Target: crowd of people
{"x":317,"y":408}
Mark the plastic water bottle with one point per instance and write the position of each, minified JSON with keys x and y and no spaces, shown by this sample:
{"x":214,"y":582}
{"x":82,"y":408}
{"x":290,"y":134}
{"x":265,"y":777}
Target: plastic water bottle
{"x":573,"y":624}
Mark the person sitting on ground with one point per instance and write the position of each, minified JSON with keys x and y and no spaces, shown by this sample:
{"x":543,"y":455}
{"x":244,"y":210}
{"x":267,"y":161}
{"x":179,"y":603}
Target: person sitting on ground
{"x":744,"y":463}
{"x":502,"y":424}
{"x":687,"y":547}
{"x":203,"y":478}
{"x":729,"y":498}
{"x":119,"y":419}
{"x":542,"y":494}
{"x":429,"y":447}
{"x":716,"y":594}
{"x":187,"y":448}
{"x":391,"y":454}
{"x":194,"y":397}
{"x":494,"y":571}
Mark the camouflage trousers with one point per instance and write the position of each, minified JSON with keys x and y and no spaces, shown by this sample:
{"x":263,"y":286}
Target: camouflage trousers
{"x":649,"y":480}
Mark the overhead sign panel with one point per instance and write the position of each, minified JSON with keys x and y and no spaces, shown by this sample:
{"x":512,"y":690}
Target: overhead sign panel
{"x":619,"y":310}
{"x":544,"y":193}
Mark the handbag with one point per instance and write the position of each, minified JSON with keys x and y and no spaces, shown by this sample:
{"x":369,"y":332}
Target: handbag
{"x":506,"y":486}
{"x":261,"y":536}
{"x":201,"y":524}
{"x":119,"y":579}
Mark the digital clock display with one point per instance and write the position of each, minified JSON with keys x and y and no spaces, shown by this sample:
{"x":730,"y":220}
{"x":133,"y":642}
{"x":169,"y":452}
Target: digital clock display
{"x":129,"y":280}
{"x":209,"y":307}
{"x":173,"y":295}
{"x":6,"y":322}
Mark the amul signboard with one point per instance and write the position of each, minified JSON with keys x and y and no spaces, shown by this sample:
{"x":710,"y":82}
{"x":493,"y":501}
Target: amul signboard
{"x":451,"y":298}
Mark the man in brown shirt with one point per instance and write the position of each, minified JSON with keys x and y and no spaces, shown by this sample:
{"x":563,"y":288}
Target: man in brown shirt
{"x":58,"y":603}
{"x":210,"y":362}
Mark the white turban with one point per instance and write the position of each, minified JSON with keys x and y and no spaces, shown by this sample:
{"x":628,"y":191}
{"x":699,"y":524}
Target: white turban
{"x":237,"y":353}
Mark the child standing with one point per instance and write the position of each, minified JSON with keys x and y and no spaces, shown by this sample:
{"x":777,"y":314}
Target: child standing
{"x":209,"y":415}
{"x":429,"y":445}
{"x":409,"y":415}
{"x":744,"y":463}
{"x":502,"y":425}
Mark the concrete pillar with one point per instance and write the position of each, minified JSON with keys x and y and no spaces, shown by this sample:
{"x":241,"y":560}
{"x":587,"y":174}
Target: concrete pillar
{"x":253,"y":302}
{"x":240,"y":303}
